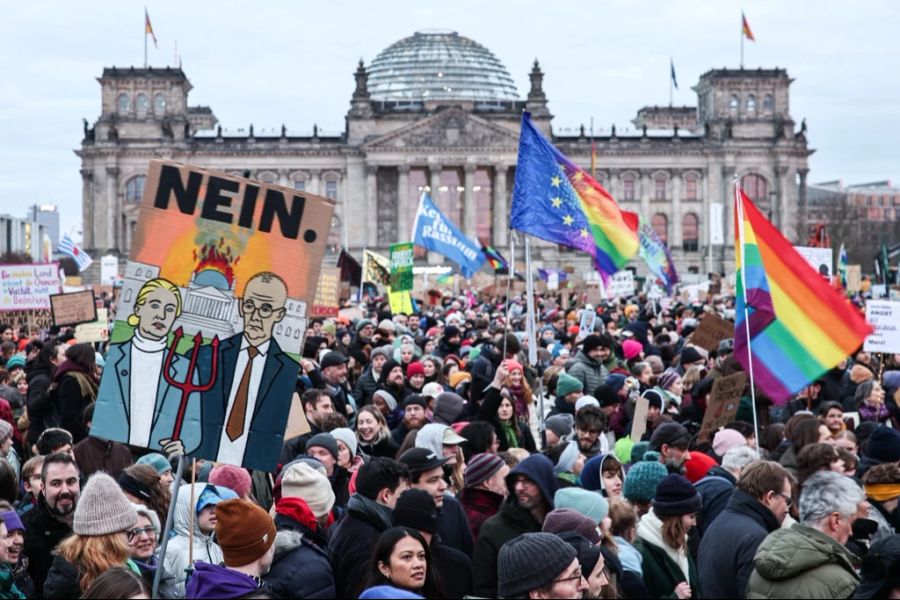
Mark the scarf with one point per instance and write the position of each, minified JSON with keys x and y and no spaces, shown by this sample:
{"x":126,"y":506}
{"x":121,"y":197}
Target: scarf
{"x":882,"y":492}
{"x":509,"y":432}
{"x":650,"y":531}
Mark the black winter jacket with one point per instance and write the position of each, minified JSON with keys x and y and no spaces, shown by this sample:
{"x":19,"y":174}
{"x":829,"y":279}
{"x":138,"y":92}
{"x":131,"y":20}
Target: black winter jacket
{"x":42,"y":534}
{"x":353,"y":541}
{"x":301,"y":568}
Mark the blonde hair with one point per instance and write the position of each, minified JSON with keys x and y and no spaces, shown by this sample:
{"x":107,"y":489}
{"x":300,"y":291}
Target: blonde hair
{"x":94,"y":555}
{"x":150,"y":287}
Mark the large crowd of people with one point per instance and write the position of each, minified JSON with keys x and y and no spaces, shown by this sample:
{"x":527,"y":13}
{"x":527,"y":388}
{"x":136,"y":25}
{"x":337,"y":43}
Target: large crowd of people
{"x":441,"y":463}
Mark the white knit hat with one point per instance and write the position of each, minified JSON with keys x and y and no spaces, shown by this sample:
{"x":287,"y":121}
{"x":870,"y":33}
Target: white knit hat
{"x":346,"y":435}
{"x":103,"y":508}
{"x":302,"y":481}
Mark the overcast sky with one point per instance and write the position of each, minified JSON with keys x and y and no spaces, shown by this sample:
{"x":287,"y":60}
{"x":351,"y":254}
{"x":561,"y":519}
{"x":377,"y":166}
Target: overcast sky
{"x":292,"y":62}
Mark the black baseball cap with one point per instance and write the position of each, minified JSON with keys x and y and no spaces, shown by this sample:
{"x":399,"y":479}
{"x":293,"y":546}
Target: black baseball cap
{"x":332,"y":359}
{"x":419,"y":460}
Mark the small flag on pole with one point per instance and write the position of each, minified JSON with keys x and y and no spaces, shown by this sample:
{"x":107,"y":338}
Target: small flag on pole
{"x":81,"y":258}
{"x":148,"y":28}
{"x":745,"y":26}
{"x":674,"y":79}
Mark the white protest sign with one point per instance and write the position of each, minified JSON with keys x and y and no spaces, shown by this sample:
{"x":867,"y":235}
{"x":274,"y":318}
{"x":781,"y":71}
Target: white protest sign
{"x":28,"y":286}
{"x":820,"y":259}
{"x":621,"y":284}
{"x":716,"y":224}
{"x":553,"y":281}
{"x":884,"y":316}
{"x":109,"y":270}
{"x":588,"y":318}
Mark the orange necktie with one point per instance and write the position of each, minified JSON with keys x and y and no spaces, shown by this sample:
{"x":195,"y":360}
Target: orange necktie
{"x":235,"y":427}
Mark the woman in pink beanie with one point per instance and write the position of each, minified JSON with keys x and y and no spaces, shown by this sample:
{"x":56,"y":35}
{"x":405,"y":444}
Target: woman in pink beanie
{"x":234,"y":478}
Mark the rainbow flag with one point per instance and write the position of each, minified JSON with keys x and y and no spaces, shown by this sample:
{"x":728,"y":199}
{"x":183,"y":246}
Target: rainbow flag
{"x":498,"y":263}
{"x":799,"y":326}
{"x":557,"y":201}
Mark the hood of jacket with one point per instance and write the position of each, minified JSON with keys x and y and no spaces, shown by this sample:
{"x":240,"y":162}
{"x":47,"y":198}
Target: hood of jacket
{"x":591,"y":474}
{"x":448,"y":407}
{"x":431,"y":437}
{"x":787,"y":553}
{"x":539,"y":469}
{"x":365,"y":509}
{"x":182,"y":521}
{"x":213,"y":581}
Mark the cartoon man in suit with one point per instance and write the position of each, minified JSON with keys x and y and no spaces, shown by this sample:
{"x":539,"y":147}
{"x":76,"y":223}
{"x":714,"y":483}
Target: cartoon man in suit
{"x":246,"y":412}
{"x":136,"y":406}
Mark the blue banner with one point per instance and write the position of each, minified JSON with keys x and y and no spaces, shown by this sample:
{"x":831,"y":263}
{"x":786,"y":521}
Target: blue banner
{"x":656,"y":254}
{"x":433,"y":231}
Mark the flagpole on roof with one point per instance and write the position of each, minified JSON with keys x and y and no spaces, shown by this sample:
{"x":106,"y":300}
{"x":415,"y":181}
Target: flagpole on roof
{"x":739,"y":206}
{"x":145,"y":36}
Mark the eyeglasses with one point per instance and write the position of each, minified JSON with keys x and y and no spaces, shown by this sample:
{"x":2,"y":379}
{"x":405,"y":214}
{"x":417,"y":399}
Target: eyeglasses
{"x":576,"y":577}
{"x":265,"y":311}
{"x":151,"y":531}
{"x":787,"y":499}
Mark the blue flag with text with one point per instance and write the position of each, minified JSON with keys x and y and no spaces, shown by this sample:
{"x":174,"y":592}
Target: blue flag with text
{"x":433,"y":231}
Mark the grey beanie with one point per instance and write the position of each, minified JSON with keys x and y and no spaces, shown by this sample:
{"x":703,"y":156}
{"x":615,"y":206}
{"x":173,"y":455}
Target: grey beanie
{"x":531,"y":561}
{"x":103,"y":508}
{"x":346,"y":435}
{"x":560,"y":424}
{"x":323,"y":440}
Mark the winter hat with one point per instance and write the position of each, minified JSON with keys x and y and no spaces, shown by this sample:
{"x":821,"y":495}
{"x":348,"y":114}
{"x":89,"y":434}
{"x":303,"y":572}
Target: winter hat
{"x":606,"y":396}
{"x":234,"y":478}
{"x":415,"y":368}
{"x":433,"y":389}
{"x":591,"y":342}
{"x":324,"y":440}
{"x":667,"y":378}
{"x":482,"y":467}
{"x":134,"y":486}
{"x":566,"y":384}
{"x":6,"y":431}
{"x":675,"y":496}
{"x":566,"y":519}
{"x":860,"y":373}
{"x":385,"y":351}
{"x":458,"y":377}
{"x":880,"y":571}
{"x":346,"y":435}
{"x":388,"y":399}
{"x":590,"y":504}
{"x":726,"y":439}
{"x":697,"y":466}
{"x":244,"y":531}
{"x":303,"y":481}
{"x":670,"y":434}
{"x":415,"y":508}
{"x":332,"y":358}
{"x":642,"y":479}
{"x":156,"y":460}
{"x":690,"y":355}
{"x":386,"y":591}
{"x":212,"y":495}
{"x":654,"y":398}
{"x":451,"y":331}
{"x":631,"y":349}
{"x":103,"y":508}
{"x":447,"y":405}
{"x":638,"y":451}
{"x":567,"y":459}
{"x":363,"y":323}
{"x":586,"y":401}
{"x":884,"y":445}
{"x":616,"y":381}
{"x":560,"y":424}
{"x":415,"y":400}
{"x":15,"y":361}
{"x":13,"y":521}
{"x":531,"y":561}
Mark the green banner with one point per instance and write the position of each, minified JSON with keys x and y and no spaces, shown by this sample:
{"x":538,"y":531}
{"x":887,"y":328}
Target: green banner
{"x":402,"y":267}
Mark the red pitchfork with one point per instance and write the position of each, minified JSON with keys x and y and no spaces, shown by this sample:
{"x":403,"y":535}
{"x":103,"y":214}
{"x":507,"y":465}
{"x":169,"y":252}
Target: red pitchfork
{"x":187,"y":387}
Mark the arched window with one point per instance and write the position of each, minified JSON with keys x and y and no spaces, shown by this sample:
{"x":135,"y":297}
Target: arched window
{"x":300,"y":185}
{"x":660,"y":224}
{"x":769,"y":103}
{"x":331,"y":189}
{"x":334,"y":234}
{"x":159,"y":105}
{"x":659,"y":187}
{"x":757,"y":189}
{"x":690,"y":232}
{"x":734,"y":103}
{"x":628,"y":187}
{"x":751,"y":103}
{"x":141,"y":105}
{"x":134,"y":189}
{"x":123,"y":104}
{"x":690,"y":187}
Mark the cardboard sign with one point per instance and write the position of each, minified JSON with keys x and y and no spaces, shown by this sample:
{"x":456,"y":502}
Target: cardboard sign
{"x":109,"y":270}
{"x":402,"y":259}
{"x":95,"y":332}
{"x":884,"y":316}
{"x":28,"y":287}
{"x":724,"y":401}
{"x":639,"y":421}
{"x":73,"y":309}
{"x":214,"y":300}
{"x":38,"y":319}
{"x":854,"y":278}
{"x":621,"y":284}
{"x":328,"y":293}
{"x":712,"y":330}
{"x":297,"y":423}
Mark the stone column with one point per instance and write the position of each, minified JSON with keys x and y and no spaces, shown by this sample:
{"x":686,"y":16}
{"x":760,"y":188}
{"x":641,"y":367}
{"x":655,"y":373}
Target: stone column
{"x":371,"y":213}
{"x":434,"y":181}
{"x":501,"y":207}
{"x":344,"y":203}
{"x":404,"y":227}
{"x":314,"y":183}
{"x":284,"y":178}
{"x":87,"y":208}
{"x":675,"y":239}
{"x":113,"y":209}
{"x":470,"y":209}
{"x":614,"y":185}
{"x":802,"y":206}
{"x":645,"y":192}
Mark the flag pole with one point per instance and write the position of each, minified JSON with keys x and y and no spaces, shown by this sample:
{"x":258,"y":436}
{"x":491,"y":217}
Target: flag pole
{"x":593,"y":152}
{"x":529,"y":329}
{"x":362,"y":277}
{"x":145,"y":37}
{"x":742,"y":40}
{"x":671,"y":81}
{"x":739,"y":205}
{"x":510,"y":276}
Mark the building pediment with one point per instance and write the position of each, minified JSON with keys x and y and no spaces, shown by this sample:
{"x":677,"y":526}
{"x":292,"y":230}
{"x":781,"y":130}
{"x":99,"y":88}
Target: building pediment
{"x":452,"y":128}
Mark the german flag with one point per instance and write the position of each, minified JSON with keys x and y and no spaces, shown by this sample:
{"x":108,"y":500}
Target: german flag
{"x":148,"y":28}
{"x":745,"y":26}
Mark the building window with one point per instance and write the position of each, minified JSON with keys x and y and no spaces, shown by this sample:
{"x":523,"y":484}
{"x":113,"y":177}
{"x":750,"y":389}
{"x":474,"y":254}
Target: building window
{"x":628,"y":187}
{"x":159,"y":105}
{"x":659,"y":190}
{"x":755,"y":187}
{"x":134,"y":189}
{"x":769,"y":103}
{"x":690,"y":187}
{"x":141,"y":105}
{"x":690,"y":233}
{"x":734,"y":103}
{"x":123,"y":104}
{"x":751,"y":103}
{"x":482,"y":193}
{"x":300,"y":185}
{"x":334,"y":234}
{"x":331,"y":189}
{"x":660,"y":224}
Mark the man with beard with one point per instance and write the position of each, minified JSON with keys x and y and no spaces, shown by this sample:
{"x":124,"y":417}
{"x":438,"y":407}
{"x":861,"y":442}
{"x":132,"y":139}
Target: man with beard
{"x":333,"y":369}
{"x":368,"y":381}
{"x":393,"y":381}
{"x":317,"y":405}
{"x":590,"y":423}
{"x":413,"y":418}
{"x":362,"y":343}
{"x":671,"y":441}
{"x":50,"y":521}
{"x":449,"y":343}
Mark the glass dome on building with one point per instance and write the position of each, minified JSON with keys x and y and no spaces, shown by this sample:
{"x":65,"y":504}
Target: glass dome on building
{"x":439,"y":65}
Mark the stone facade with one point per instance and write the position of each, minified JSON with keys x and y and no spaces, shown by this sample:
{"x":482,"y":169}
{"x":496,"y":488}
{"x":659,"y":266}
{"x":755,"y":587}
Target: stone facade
{"x":673,"y":171}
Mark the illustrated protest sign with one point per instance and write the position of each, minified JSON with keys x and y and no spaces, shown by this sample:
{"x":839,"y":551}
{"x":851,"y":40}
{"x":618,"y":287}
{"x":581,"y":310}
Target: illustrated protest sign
{"x":724,"y":401}
{"x":211,"y":318}
{"x":621,"y":284}
{"x":712,"y":330}
{"x":885,"y":318}
{"x":73,"y":309}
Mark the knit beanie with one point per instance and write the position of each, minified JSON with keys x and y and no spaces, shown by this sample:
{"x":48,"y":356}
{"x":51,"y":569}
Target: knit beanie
{"x":323,"y":440}
{"x":638,"y":451}
{"x":415,"y":368}
{"x":591,"y":342}
{"x":103,"y":508}
{"x":482,"y":467}
{"x":642,"y":480}
{"x":387,"y":592}
{"x":234,"y":478}
{"x":159,"y":462}
{"x":884,"y":445}
{"x":346,"y":435}
{"x":531,"y":561}
{"x":134,"y":486}
{"x":560,"y":424}
{"x":566,"y":519}
{"x":631,"y":349}
{"x":566,"y":384}
{"x":697,"y":466}
{"x":586,"y":401}
{"x":244,"y":531}
{"x":6,"y":431}
{"x":385,"y":351}
{"x":667,"y":379}
{"x":606,"y":396}
{"x":568,"y":458}
{"x":363,"y":323}
{"x":616,"y":381}
{"x":458,"y":377}
{"x":675,"y":496}
{"x":690,"y":355}
{"x":388,"y":398}
{"x":302,"y":481}
{"x":588,"y":503}
{"x":726,"y":439}
{"x":415,"y":508}
{"x":669,"y":434}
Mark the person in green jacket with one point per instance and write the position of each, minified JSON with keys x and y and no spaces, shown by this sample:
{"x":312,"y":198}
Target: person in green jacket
{"x":662,"y":539}
{"x":809,"y":560}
